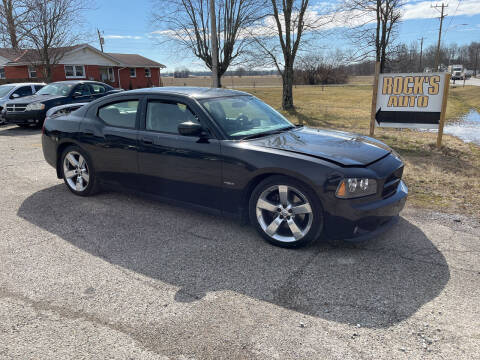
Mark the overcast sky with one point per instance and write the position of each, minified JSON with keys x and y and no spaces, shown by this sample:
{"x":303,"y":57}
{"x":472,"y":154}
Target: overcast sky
{"x":127,"y":28}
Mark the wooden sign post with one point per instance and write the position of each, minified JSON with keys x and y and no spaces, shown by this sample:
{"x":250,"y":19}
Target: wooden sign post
{"x":444,"y":110}
{"x":374,"y":98}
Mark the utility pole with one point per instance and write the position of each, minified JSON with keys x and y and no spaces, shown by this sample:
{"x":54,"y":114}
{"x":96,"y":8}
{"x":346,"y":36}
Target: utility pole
{"x":421,"y":53}
{"x":442,"y":15}
{"x":213,"y":36}
{"x":101,"y":40}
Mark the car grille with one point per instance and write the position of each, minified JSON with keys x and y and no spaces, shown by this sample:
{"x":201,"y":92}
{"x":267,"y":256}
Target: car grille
{"x":391,"y":183}
{"x":16,"y":107}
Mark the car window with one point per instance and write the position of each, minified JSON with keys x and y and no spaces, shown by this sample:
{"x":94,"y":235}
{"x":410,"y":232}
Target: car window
{"x":83,"y":89}
{"x":166,"y":116}
{"x":97,"y":89}
{"x":56,"y":89}
{"x":5,"y":89}
{"x":120,"y":114}
{"x":38,"y":87}
{"x":23,"y":91}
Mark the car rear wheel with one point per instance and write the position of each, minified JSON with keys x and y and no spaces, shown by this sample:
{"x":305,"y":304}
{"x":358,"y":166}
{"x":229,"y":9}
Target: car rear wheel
{"x":78,"y":171}
{"x":286,"y":212}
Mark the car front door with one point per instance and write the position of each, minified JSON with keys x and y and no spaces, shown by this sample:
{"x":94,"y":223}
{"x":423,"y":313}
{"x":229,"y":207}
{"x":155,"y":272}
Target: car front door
{"x":184,"y":168}
{"x":109,"y":134}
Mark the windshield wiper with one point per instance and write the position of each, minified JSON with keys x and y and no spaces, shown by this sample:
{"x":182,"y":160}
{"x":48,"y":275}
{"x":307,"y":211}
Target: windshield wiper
{"x":267,"y":133}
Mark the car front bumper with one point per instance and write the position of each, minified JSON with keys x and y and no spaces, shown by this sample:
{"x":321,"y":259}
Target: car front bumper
{"x":25,"y":117}
{"x":360,"y":221}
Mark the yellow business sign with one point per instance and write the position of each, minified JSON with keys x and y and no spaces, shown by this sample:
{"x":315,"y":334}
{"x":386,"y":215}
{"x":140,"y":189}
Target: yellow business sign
{"x":410,"y":100}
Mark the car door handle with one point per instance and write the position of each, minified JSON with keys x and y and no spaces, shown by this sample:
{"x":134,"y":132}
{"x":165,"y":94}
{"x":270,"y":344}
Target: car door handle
{"x":147,"y":140}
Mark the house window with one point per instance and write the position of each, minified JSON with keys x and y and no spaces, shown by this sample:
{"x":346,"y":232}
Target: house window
{"x":2,"y":73}
{"x":133,"y":72}
{"x":74,"y":71}
{"x":147,"y":72}
{"x":32,"y":72}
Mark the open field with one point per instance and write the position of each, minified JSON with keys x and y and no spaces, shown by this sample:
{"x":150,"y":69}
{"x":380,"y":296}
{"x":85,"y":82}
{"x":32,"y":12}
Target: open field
{"x":447,"y":179}
{"x":247,"y":81}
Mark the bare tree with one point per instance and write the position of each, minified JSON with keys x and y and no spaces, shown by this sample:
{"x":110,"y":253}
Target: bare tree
{"x":361,"y":14}
{"x":52,"y":24}
{"x":187,"y":23}
{"x":13,"y":19}
{"x":283,"y":32}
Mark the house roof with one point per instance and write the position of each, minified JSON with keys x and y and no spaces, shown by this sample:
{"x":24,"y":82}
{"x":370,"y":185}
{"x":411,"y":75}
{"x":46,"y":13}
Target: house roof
{"x":135,"y":60}
{"x":28,"y":56}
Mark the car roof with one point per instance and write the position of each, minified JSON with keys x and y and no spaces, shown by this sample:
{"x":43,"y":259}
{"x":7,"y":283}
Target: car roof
{"x":74,"y":82}
{"x":23,"y":84}
{"x":190,"y":91}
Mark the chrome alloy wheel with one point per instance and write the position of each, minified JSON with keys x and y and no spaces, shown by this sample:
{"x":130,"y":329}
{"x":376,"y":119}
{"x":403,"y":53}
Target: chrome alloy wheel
{"x":284,"y":213}
{"x":75,"y":170}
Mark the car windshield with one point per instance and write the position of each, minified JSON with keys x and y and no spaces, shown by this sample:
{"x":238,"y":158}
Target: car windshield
{"x":5,"y":89}
{"x":245,"y":116}
{"x":56,"y":89}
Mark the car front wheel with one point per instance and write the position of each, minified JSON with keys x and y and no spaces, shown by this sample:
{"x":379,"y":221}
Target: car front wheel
{"x":78,"y":171}
{"x":286,"y":212}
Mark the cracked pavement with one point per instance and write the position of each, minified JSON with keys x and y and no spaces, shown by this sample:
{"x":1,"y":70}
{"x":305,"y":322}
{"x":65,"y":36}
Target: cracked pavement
{"x":124,"y":277}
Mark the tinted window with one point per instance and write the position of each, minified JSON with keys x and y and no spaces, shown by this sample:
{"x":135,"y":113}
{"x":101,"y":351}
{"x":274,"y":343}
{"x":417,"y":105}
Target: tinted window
{"x":23,"y":91}
{"x":38,"y":87}
{"x":120,"y":114}
{"x":98,"y":89}
{"x":166,"y":116}
{"x":83,"y":89}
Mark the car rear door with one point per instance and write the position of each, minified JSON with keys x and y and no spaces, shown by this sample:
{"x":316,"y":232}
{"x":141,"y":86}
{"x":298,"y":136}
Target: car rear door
{"x":81,"y":93}
{"x":109,"y":133}
{"x":183,"y":168}
{"x":97,"y":90}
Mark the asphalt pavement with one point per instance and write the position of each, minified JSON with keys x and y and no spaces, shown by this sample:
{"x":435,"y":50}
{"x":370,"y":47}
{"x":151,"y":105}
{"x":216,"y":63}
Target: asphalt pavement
{"x":120,"y":276}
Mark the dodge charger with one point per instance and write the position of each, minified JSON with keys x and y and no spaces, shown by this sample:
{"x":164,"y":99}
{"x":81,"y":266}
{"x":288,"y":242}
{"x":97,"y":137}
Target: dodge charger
{"x":227,"y":152}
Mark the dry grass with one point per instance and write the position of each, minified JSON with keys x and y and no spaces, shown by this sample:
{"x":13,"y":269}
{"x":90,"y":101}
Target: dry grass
{"x":446,"y":179}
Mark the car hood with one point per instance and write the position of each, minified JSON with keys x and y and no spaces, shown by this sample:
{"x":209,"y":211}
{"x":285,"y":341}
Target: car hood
{"x":342,"y":148}
{"x":35,"y":98}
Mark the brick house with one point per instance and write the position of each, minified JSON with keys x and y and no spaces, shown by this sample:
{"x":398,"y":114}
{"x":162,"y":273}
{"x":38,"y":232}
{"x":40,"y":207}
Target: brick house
{"x":127,"y":71}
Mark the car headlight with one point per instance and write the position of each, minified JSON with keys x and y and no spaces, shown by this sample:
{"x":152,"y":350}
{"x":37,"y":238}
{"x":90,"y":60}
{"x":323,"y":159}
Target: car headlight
{"x":35,"y":106}
{"x":356,"y":187}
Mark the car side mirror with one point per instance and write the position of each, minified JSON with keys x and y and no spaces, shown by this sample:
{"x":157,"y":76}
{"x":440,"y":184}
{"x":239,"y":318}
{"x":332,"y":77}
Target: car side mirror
{"x":191,"y":128}
{"x":15,"y":96}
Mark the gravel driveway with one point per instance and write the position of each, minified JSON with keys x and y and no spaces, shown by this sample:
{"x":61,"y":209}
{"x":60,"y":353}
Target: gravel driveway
{"x":124,"y":277}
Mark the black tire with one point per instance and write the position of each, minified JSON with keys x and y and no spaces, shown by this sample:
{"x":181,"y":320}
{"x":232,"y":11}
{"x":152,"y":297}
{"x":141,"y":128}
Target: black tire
{"x":298,"y":194}
{"x":92,"y":186}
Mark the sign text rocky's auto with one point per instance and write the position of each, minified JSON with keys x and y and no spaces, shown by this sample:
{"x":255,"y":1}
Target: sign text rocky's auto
{"x":410,"y":100}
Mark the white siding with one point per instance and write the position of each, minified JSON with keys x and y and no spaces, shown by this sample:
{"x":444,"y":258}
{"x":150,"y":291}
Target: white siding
{"x":86,"y":56}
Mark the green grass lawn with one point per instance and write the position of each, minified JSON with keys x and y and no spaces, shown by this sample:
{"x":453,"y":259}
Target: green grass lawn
{"x":446,"y":179}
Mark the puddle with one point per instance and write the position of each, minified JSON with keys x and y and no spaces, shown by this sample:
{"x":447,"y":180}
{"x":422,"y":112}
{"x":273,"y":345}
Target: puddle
{"x":466,"y":128}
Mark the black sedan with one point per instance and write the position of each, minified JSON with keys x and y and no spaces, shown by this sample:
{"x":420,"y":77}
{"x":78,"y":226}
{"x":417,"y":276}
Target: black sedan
{"x":230,"y":153}
{"x":31,"y":110}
